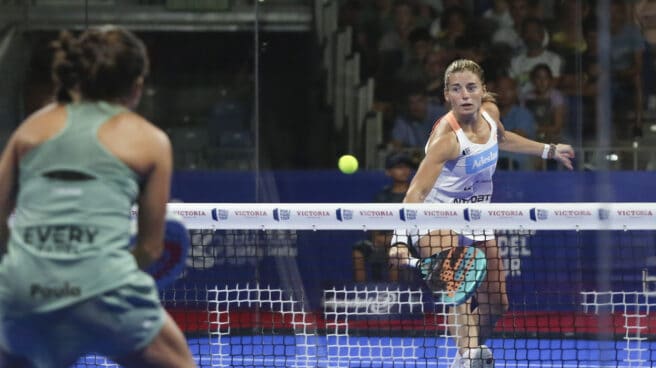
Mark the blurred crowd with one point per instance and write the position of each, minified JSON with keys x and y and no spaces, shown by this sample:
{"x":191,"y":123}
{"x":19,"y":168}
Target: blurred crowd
{"x":541,"y":58}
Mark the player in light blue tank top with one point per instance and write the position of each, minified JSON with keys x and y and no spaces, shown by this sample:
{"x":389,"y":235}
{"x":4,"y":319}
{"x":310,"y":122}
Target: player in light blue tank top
{"x":69,"y":283}
{"x":461,"y":155}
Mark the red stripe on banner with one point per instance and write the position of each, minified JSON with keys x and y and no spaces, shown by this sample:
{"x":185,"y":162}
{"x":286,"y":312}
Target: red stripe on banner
{"x":574,"y":323}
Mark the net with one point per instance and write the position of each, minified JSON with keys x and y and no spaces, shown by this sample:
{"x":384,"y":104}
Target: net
{"x":280,"y":285}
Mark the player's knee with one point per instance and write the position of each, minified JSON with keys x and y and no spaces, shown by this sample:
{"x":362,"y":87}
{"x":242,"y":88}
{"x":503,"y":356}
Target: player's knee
{"x":500,"y":308}
{"x":397,"y":254}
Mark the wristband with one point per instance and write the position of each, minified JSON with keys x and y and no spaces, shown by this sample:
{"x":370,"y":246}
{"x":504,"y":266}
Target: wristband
{"x":545,"y":151}
{"x":549,"y":151}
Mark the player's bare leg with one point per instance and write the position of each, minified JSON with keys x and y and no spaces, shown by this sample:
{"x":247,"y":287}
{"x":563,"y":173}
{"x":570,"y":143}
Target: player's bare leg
{"x":168,"y":349}
{"x":492,"y":296}
{"x":461,"y":321}
{"x":463,"y":325}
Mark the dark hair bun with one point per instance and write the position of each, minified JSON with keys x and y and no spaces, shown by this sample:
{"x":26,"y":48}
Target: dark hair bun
{"x":101,"y":64}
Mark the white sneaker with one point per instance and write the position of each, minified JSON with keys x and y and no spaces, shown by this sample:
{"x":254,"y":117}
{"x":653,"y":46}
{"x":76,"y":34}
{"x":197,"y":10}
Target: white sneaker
{"x":480,"y":357}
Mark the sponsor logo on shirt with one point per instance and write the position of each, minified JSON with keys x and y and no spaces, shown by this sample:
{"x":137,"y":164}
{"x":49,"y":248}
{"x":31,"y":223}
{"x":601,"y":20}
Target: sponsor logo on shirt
{"x":54,"y":292}
{"x":474,"y":199}
{"x":480,"y":161}
{"x":59,"y":238}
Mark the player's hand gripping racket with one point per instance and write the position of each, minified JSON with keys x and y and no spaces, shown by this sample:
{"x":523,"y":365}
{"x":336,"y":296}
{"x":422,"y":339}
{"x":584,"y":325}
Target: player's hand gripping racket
{"x":171,"y":263}
{"x":455,"y":273}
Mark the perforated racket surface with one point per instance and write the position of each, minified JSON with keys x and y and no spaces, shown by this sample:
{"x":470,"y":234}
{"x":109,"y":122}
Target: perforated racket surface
{"x":457,"y":273}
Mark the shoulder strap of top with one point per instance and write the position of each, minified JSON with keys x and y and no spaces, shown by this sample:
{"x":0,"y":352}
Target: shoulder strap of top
{"x":452,"y":121}
{"x":489,"y":118}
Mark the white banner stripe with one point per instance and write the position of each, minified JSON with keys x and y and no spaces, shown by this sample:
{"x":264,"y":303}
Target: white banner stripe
{"x":377,"y":216}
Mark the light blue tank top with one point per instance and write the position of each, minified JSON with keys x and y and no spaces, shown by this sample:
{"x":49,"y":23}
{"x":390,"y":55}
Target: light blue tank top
{"x":70,"y":233}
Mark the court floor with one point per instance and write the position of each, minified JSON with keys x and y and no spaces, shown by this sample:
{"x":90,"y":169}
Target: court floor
{"x":289,"y":351}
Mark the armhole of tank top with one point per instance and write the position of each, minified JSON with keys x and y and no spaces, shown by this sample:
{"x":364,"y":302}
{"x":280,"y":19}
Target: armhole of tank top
{"x":68,"y":122}
{"x":494,"y":127}
{"x":489,"y":119}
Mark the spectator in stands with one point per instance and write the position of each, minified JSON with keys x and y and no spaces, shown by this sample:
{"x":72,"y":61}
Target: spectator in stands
{"x":412,"y":126}
{"x":645,"y":12}
{"x":434,"y":67}
{"x":366,"y":32}
{"x":533,"y":32}
{"x":472,"y":46}
{"x":645,"y":18}
{"x":397,"y":40}
{"x":515,"y":118}
{"x":427,"y":12}
{"x":413,"y":71}
{"x":511,"y":36}
{"x":626,"y":52}
{"x":383,"y":13}
{"x":548,"y":106}
{"x":579,"y":83}
{"x":453,"y":24}
{"x":394,"y":49}
{"x":370,"y":260}
{"x":499,"y":14}
{"x":567,"y":37}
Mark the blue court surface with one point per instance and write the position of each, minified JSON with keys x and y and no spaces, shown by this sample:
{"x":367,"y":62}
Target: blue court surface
{"x":320,"y":351}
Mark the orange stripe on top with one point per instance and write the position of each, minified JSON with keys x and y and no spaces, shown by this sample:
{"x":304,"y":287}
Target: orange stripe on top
{"x":450,"y":119}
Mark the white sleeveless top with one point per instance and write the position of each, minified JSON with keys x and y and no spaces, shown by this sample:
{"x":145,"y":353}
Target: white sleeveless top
{"x":468,"y":178}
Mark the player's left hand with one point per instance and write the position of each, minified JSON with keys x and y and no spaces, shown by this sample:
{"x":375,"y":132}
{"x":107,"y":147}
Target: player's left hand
{"x":177,"y":243}
{"x":564,"y":154}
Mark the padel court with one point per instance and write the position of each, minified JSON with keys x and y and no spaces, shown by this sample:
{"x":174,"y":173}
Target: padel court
{"x":252,"y":298}
{"x":281,"y":351}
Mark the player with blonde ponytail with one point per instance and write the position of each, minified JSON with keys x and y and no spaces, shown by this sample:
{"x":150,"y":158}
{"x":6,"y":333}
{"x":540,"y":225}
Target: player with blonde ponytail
{"x":461,"y":157}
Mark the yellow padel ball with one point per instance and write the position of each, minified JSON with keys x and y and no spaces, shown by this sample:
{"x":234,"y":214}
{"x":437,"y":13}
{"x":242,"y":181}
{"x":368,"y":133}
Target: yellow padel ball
{"x":348,"y":164}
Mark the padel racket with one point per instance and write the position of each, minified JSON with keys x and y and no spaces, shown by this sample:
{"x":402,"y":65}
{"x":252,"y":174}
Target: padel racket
{"x":171,"y":263}
{"x":455,"y":274}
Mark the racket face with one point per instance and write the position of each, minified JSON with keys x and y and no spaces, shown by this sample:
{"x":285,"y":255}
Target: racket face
{"x":172,"y":261}
{"x":459,"y":274}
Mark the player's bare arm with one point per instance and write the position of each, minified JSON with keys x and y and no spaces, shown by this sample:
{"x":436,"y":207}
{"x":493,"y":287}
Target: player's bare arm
{"x":8,"y":189}
{"x":29,"y":134}
{"x":512,"y":142}
{"x":153,"y":197}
